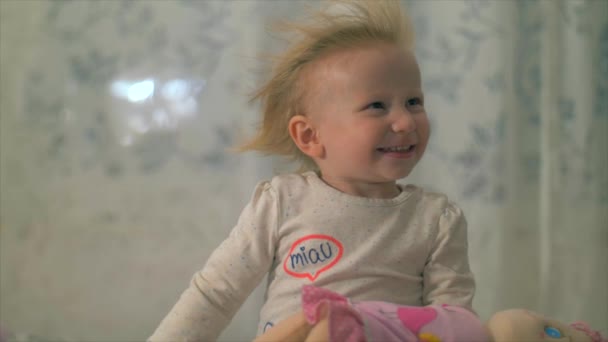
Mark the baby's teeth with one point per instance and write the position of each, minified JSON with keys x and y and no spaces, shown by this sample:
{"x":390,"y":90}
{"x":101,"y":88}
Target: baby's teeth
{"x":396,"y":149}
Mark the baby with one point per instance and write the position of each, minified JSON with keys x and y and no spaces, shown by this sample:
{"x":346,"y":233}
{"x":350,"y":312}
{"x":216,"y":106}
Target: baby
{"x":346,"y":101}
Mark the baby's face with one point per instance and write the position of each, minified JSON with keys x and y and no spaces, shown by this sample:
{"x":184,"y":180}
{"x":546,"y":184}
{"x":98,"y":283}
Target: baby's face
{"x":368,"y":106}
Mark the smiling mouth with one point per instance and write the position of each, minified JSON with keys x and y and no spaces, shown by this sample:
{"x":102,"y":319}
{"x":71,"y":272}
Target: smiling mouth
{"x":398,"y":149}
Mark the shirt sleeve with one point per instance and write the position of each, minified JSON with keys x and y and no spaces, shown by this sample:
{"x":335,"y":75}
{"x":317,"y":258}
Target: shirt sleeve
{"x":447,"y":277}
{"x":231,"y":273}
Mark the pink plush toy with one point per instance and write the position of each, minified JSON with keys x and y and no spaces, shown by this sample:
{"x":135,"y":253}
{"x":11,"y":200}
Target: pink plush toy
{"x":524,"y":325}
{"x":328,"y":316}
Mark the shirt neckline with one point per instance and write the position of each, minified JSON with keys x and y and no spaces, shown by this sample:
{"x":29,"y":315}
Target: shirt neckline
{"x":316,"y":180}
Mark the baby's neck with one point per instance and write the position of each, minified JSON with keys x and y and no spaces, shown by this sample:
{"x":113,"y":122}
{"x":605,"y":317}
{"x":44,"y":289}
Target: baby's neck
{"x":360,"y":188}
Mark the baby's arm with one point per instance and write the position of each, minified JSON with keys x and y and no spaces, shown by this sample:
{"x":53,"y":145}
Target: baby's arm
{"x":447,"y":276}
{"x":231,"y":273}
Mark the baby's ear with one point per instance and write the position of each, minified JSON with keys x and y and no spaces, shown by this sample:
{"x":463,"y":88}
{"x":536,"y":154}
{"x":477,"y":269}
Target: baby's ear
{"x":305,"y":135}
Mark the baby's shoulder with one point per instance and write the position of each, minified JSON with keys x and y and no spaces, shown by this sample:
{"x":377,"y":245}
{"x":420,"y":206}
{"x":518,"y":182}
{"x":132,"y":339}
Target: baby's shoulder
{"x":291,"y":180}
{"x":289,"y":185}
{"x":429,"y":200}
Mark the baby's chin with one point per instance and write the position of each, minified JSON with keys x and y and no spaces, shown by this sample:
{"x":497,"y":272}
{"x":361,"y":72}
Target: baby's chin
{"x":396,"y":175}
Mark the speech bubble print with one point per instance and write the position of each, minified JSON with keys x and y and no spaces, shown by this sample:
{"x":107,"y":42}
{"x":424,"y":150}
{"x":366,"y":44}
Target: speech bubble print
{"x":312,"y":255}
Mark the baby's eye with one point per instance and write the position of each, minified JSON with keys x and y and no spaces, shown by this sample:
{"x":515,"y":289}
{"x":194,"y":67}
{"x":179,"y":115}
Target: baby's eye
{"x":553,"y":332}
{"x":415,"y":101}
{"x":376,"y":105}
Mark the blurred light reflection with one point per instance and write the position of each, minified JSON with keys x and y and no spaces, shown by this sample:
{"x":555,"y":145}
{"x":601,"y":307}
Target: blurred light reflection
{"x":150,"y":104}
{"x":134,"y":91}
{"x":161,"y":118}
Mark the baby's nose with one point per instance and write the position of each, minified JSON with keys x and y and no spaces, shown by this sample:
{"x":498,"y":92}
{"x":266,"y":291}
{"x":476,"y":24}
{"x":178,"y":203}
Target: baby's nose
{"x":404,"y":122}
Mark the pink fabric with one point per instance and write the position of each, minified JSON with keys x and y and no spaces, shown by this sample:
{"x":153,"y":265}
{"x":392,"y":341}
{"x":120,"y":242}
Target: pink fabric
{"x":593,"y":334}
{"x":382,"y":321}
{"x":415,"y":318}
{"x":345,"y":324}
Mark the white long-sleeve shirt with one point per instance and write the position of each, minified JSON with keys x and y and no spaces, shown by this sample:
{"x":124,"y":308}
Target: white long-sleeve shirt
{"x":410,"y":249}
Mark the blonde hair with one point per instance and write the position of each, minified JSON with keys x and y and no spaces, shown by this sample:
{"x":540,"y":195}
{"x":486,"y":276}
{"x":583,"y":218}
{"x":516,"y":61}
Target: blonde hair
{"x":343,"y":24}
